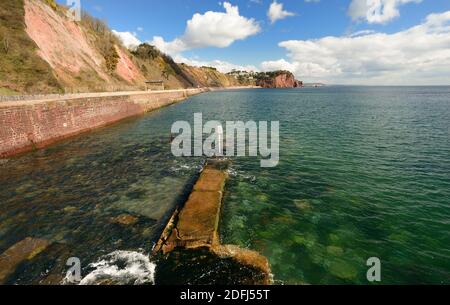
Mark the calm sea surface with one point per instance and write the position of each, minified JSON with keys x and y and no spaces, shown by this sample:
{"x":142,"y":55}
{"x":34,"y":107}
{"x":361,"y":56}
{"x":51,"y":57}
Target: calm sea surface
{"x":364,"y":172}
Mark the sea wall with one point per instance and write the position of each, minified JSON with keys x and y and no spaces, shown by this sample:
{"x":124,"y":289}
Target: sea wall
{"x":27,"y":125}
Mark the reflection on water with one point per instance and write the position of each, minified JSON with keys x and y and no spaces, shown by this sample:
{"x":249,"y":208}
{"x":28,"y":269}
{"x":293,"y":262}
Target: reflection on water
{"x":363,"y":172}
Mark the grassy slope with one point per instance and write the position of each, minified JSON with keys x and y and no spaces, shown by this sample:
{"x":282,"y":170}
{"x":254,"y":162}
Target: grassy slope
{"x":21,"y":69}
{"x":209,"y":77}
{"x":159,"y":69}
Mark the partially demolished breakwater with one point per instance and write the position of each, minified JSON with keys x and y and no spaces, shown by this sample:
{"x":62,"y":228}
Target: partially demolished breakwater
{"x":193,"y":231}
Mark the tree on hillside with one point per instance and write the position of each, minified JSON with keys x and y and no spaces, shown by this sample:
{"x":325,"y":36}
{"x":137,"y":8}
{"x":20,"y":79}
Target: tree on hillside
{"x":165,"y":73}
{"x":144,"y":69}
{"x":146,"y":51}
{"x":111,"y":59}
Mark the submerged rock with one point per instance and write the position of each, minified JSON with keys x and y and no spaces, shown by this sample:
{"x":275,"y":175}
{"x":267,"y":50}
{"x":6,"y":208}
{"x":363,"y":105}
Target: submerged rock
{"x":147,"y":232}
{"x":262,"y":198}
{"x":343,"y":270}
{"x":299,"y":239}
{"x":334,"y":238}
{"x":70,"y":209}
{"x":247,"y":258}
{"x":303,"y":204}
{"x":24,"y":250}
{"x":125,"y":219}
{"x":336,"y":251}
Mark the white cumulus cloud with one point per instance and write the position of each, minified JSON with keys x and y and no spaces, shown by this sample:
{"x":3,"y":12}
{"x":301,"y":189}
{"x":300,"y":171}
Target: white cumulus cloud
{"x":172,"y":48}
{"x":276,"y":12}
{"x":128,"y":39}
{"x":211,"y":29}
{"x":418,"y":55}
{"x":376,"y":11}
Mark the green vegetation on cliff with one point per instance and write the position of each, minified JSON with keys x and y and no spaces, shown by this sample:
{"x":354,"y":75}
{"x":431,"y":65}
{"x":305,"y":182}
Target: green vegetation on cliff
{"x":156,"y":65}
{"x":102,"y":39}
{"x":271,"y":74}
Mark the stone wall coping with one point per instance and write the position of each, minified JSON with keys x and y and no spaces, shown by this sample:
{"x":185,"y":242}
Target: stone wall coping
{"x":64,"y":97}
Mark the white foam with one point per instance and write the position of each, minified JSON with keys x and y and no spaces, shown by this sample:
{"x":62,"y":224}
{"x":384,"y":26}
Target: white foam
{"x":186,"y":167}
{"x":121,"y":268}
{"x":241,"y":174}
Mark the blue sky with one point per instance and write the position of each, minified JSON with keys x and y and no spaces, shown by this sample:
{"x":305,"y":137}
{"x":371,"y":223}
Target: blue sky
{"x":255,"y":41}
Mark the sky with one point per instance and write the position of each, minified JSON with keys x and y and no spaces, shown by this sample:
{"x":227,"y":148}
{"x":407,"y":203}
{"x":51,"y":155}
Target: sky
{"x":367,"y":42}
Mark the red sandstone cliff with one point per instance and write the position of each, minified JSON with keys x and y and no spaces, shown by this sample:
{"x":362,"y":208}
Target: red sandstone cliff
{"x":74,"y":52}
{"x":279,"y":79}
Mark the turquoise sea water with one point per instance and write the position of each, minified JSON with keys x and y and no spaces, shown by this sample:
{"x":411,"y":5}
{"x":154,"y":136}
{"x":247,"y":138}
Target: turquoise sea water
{"x":364,"y":172}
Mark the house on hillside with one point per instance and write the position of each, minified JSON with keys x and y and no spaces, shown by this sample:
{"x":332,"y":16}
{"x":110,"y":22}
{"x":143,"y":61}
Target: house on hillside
{"x":153,"y":85}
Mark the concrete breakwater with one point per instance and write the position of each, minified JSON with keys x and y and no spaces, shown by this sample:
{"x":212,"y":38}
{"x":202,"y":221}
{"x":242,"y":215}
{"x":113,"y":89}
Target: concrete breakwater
{"x":194,"y":229}
{"x":31,"y":124}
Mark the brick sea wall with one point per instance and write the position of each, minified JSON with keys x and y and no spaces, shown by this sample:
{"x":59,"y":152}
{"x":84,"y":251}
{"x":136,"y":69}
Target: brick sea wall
{"x":27,"y":125}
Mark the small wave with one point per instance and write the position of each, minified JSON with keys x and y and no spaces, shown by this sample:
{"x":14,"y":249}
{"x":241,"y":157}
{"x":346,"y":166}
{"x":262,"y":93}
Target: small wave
{"x":186,"y":167}
{"x":121,"y":268}
{"x":236,"y":173}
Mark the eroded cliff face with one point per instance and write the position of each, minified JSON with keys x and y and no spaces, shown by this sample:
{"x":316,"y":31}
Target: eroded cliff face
{"x":282,"y":80}
{"x":72,"y":52}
